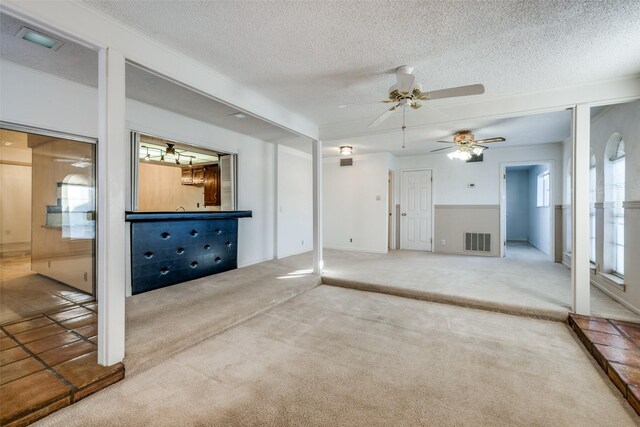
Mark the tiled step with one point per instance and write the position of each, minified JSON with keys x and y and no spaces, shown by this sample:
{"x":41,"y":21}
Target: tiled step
{"x":48,"y":362}
{"x":615,"y":345}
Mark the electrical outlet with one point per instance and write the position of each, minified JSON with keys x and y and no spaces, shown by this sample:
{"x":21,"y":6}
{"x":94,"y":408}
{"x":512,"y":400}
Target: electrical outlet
{"x":443,"y":242}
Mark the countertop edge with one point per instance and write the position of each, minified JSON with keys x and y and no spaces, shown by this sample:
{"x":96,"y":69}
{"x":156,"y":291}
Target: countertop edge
{"x":184,"y":216}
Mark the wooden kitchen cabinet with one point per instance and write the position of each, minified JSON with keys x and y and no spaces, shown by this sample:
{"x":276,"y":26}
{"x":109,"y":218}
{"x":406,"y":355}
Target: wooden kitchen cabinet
{"x":187,"y":176}
{"x":192,"y":176}
{"x":212,"y":185}
{"x":198,"y":176}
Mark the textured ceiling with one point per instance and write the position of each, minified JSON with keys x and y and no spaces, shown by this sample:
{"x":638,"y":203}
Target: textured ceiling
{"x":311,"y":56}
{"x":80,"y":64}
{"x":72,"y":61}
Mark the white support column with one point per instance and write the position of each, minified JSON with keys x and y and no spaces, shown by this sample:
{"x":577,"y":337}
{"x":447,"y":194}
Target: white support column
{"x":317,"y":206}
{"x":580,"y":275}
{"x":112,"y":150}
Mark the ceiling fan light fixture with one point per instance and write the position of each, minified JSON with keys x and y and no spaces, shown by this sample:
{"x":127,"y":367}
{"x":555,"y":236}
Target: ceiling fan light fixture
{"x":346,"y":150}
{"x":460,"y":154}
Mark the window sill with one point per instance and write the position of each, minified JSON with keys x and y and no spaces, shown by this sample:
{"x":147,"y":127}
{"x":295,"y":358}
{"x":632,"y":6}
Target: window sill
{"x":612,"y":279}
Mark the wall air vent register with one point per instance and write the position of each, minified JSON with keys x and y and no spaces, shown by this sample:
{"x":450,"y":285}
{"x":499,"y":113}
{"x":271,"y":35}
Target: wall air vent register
{"x":477,"y":242}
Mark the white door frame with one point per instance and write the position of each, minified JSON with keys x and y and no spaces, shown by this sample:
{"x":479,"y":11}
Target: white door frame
{"x":391,"y":215}
{"x":402,"y":225}
{"x":503,"y":201}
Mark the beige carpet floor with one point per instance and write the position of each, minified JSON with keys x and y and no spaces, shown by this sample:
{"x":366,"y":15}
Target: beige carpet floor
{"x":162,"y":322}
{"x":525,"y":282}
{"x":334,"y":356}
{"x":165,"y":321}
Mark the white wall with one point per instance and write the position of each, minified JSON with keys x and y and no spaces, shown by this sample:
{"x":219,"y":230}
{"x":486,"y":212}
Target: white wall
{"x":42,"y":100}
{"x":355,"y":203}
{"x":37,"y":99}
{"x":294,"y":202}
{"x":450,"y":177}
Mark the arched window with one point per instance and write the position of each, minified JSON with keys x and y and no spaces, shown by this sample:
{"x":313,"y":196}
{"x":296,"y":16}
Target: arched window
{"x":592,"y":208}
{"x":614,"y":198}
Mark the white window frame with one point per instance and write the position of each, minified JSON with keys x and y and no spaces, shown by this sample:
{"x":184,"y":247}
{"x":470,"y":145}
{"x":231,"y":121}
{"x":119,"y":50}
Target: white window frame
{"x":615,"y":195}
{"x":542,"y":188}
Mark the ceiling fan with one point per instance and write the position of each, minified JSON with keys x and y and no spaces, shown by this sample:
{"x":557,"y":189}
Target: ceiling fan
{"x":407,"y":93}
{"x":467,"y":145}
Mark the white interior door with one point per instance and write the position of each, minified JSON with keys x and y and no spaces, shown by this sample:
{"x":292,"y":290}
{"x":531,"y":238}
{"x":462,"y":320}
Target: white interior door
{"x":415,"y":208}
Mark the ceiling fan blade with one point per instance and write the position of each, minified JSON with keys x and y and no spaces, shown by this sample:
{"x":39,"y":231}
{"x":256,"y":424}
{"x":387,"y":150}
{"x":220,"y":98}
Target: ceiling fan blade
{"x":351,"y":104}
{"x":447,"y":142}
{"x":383,"y":116}
{"x":481,"y":146}
{"x":440,"y":149}
{"x":405,"y":82}
{"x":452,"y":92}
{"x":486,"y":141}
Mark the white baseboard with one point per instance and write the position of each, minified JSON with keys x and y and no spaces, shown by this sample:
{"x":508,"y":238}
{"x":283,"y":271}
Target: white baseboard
{"x":615,"y":297}
{"x":258,"y":261}
{"x":288,"y":254}
{"x":351,"y":249}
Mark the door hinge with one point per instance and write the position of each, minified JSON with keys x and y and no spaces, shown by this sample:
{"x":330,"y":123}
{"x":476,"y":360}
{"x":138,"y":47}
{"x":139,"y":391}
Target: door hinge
{"x":504,"y":176}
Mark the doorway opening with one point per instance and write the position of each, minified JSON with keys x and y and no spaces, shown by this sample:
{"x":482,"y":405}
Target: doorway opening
{"x":527,"y":207}
{"x":47,"y":239}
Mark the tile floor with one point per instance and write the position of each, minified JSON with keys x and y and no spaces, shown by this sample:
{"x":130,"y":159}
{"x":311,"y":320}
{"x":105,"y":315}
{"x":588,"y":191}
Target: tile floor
{"x":26,"y":294}
{"x":615,"y":345}
{"x":49,"y":361}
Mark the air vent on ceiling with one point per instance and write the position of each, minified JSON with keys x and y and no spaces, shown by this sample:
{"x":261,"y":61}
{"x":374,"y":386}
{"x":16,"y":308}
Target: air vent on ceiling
{"x":477,"y":242}
{"x":346,"y":162}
